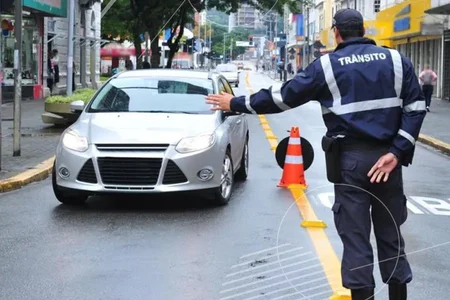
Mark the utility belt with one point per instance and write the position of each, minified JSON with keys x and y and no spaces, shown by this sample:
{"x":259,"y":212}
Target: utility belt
{"x":333,"y":148}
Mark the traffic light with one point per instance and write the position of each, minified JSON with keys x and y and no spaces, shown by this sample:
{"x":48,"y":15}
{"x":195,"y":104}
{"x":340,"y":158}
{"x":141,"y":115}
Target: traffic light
{"x":250,"y":40}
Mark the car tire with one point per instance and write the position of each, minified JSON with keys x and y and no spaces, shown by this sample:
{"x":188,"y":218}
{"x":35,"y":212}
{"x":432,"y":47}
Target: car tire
{"x":221,"y":197}
{"x":237,"y":84}
{"x":242,"y":172}
{"x":65,"y":197}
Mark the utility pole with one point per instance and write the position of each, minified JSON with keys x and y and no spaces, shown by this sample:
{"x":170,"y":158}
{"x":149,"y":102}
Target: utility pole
{"x":1,"y":100}
{"x":307,"y":34}
{"x":17,"y":77}
{"x":304,"y":40}
{"x":70,"y":38}
{"x":231,"y":49}
{"x":146,"y":36}
{"x":224,"y":60}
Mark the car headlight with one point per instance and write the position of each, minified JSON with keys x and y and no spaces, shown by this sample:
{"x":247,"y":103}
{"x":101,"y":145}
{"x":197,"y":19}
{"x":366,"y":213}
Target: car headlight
{"x":75,"y":142}
{"x":196,"y":143}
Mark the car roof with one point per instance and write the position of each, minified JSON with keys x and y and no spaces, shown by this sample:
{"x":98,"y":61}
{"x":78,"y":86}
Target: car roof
{"x":166,"y":73}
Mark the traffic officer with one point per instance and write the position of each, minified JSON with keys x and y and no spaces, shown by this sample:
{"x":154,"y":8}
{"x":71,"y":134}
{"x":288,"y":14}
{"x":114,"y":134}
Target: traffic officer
{"x":373,"y":108}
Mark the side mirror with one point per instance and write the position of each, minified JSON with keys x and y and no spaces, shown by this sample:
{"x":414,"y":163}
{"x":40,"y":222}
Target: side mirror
{"x":77,"y":106}
{"x":229,"y":114}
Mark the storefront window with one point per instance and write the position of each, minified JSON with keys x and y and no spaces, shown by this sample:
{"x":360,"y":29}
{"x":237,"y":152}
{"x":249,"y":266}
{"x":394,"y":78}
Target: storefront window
{"x":29,"y":50}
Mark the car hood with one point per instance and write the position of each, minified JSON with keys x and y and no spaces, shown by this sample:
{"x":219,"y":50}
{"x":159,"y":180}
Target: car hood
{"x":146,"y":128}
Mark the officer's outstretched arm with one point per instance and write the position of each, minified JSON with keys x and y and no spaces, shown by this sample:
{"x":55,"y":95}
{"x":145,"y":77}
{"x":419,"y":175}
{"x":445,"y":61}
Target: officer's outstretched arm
{"x":280,"y":97}
{"x":413,"y":114}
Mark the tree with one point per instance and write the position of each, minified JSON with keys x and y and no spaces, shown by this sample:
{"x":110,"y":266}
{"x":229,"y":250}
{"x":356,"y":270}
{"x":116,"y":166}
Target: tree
{"x":118,"y":21}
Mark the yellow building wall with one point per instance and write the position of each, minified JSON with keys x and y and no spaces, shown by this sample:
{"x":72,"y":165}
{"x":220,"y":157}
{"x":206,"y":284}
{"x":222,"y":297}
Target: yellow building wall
{"x":416,"y":15}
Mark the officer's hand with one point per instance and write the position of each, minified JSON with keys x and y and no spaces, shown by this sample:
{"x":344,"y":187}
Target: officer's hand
{"x":382,"y":168}
{"x":221,"y":101}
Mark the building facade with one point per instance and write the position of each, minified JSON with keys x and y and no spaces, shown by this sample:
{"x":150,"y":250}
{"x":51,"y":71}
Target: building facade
{"x":44,"y":29}
{"x":246,"y":17}
{"x":33,"y":46}
{"x":87,"y":44}
{"x":407,"y":26}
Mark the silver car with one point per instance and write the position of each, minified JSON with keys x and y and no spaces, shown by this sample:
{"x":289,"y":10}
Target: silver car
{"x":150,"y":131}
{"x":230,"y":72}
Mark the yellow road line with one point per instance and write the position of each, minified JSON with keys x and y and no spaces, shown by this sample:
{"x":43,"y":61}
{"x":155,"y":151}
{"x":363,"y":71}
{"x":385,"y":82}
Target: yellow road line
{"x":328,"y":258}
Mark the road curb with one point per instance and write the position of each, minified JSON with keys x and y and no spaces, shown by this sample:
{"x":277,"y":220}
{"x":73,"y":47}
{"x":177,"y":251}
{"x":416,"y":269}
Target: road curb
{"x":38,"y":173}
{"x":435,"y":143}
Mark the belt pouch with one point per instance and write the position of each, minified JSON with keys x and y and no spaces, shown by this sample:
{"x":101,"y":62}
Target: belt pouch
{"x":330,"y":146}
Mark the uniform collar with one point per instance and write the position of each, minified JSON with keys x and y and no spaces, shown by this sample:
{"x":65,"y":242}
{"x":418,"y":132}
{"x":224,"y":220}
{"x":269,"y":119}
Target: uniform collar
{"x":355,"y":41}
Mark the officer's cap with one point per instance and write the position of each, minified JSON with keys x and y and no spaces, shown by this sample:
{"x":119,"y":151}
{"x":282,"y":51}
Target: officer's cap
{"x":348,"y":18}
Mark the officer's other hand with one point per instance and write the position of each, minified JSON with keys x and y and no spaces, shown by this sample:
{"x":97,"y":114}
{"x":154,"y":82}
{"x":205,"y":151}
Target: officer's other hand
{"x":382,"y":168}
{"x":221,"y":101}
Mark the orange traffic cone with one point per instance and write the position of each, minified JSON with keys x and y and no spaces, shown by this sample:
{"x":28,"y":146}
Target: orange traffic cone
{"x":293,"y":171}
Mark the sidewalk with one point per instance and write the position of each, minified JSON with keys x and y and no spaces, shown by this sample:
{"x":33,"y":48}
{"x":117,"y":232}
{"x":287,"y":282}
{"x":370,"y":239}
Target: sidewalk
{"x":38,"y":140}
{"x":437,"y":121}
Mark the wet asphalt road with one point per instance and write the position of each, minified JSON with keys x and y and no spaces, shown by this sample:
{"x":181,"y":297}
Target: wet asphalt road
{"x":183,"y":248}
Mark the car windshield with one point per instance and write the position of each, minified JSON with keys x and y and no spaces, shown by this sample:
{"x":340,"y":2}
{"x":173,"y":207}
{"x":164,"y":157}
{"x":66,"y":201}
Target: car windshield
{"x":226,"y":68}
{"x":154,"y":94}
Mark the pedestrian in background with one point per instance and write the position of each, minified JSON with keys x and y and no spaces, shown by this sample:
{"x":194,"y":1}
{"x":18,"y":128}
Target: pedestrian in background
{"x":371,"y":134}
{"x":55,"y":66}
{"x":428,"y":80}
{"x":145,"y":65}
{"x":50,"y":74}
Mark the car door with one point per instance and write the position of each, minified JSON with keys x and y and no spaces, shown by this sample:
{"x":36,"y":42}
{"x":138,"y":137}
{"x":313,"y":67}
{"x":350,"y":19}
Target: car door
{"x":236,"y":128}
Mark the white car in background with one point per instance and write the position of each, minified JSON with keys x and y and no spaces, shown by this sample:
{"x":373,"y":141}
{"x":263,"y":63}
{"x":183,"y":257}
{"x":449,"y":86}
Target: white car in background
{"x":230,"y":72}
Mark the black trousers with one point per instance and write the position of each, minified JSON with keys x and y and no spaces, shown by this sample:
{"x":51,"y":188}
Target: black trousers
{"x":355,"y":205}
{"x":427,"y":90}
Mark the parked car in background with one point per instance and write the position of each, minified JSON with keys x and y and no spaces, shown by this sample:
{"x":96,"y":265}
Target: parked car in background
{"x":150,"y":131}
{"x":230,"y":72}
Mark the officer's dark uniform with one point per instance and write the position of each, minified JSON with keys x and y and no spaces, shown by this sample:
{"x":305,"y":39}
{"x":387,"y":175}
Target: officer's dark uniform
{"x":372,"y":104}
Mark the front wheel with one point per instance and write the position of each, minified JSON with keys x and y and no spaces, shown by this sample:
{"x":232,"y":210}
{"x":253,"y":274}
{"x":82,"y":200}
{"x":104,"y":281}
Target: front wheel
{"x":66,"y":197}
{"x":242,"y":172}
{"x":222,"y":194}
{"x":236,"y":84}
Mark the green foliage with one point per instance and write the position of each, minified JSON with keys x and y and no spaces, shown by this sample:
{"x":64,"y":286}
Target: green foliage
{"x":118,"y":21}
{"x":81,"y":94}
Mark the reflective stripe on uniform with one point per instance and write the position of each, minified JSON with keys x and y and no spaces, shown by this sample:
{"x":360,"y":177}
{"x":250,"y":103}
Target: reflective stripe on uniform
{"x":329,"y":78}
{"x":407,"y":136}
{"x":364,"y":106}
{"x":294,"y":160}
{"x":294,"y":141}
{"x":415,"y":106}
{"x":398,"y":71}
{"x":276,"y":96}
{"x":247,"y":104}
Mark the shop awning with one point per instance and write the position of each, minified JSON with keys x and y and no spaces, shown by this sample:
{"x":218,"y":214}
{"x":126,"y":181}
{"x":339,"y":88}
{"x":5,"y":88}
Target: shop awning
{"x":47,"y":8}
{"x":439,"y":10}
{"x":118,"y":50}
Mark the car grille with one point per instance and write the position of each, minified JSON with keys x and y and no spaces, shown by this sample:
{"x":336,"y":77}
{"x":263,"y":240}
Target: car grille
{"x":132,"y":147}
{"x":129,"y":171}
{"x":87,"y":173}
{"x":173,"y":174}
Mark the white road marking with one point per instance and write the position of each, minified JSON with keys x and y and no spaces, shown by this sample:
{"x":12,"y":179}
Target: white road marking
{"x":262,"y":251}
{"x":270,"y":271}
{"x":424,"y":205}
{"x":265,"y":265}
{"x":273,"y":277}
{"x":295,"y":286}
{"x":301,"y":293}
{"x":266,"y":257}
{"x":433,"y":205}
{"x":275,"y":284}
